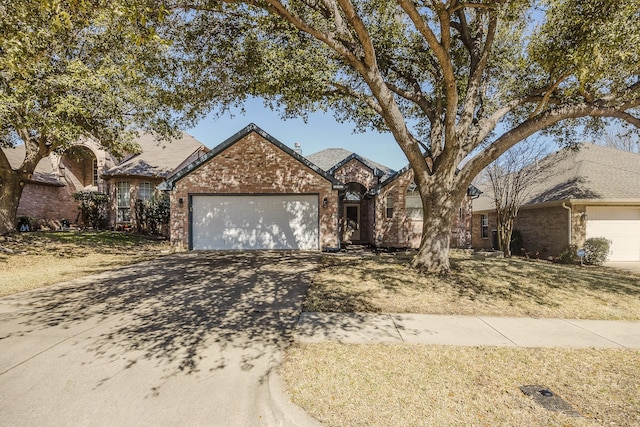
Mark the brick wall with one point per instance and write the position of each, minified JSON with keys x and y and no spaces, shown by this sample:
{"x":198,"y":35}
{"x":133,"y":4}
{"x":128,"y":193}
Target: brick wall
{"x":47,"y":202}
{"x":544,"y":230}
{"x":400,"y":231}
{"x":355,"y":171}
{"x":253,"y":165}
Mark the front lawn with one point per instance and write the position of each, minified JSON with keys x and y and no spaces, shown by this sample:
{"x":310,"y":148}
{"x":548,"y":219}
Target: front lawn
{"x":420,"y":385}
{"x":476,"y":286}
{"x":423,"y":385}
{"x":32,"y":260}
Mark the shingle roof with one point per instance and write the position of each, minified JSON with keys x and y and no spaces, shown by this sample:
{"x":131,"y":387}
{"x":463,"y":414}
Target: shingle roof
{"x":44,"y":172}
{"x":157,"y":158}
{"x":332,"y":158}
{"x":593,"y":172}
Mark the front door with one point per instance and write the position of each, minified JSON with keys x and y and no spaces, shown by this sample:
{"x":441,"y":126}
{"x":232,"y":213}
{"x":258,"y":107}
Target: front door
{"x":352,"y":222}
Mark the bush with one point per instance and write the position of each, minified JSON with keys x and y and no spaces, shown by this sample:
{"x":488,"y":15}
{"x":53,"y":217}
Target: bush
{"x":153,"y":215}
{"x":568,"y":255}
{"x":93,"y":206}
{"x":596,"y":250}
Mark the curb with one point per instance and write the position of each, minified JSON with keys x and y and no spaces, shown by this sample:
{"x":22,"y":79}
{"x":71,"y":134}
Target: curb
{"x":284,"y":411}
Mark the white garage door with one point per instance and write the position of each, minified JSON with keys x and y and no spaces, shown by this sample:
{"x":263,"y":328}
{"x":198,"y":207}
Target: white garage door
{"x":255,"y":222}
{"x":621,"y":226}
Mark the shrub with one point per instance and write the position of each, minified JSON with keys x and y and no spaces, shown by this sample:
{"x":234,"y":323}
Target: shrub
{"x":153,"y":215}
{"x":596,"y":250}
{"x":93,"y":206}
{"x":568,"y":255}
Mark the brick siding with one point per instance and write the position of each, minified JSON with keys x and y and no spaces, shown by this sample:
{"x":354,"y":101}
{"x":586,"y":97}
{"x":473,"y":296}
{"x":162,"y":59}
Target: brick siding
{"x":400,"y":231}
{"x":47,"y":202}
{"x":253,"y":165}
{"x":544,"y":230}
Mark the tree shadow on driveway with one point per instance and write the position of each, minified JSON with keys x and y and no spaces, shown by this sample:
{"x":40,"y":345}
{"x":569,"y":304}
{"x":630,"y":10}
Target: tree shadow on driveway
{"x":169,"y":310}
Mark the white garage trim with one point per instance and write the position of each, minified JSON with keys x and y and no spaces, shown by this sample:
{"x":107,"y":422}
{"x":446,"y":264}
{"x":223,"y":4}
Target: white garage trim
{"x":254,"y":221}
{"x":621,"y":225}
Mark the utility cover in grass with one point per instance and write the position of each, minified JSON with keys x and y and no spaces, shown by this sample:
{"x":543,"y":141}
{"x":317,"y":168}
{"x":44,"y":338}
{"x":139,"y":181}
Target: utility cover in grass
{"x":549,"y":399}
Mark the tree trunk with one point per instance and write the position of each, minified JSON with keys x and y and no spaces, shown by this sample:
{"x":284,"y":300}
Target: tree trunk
{"x":439,"y":206}
{"x":11,"y":186}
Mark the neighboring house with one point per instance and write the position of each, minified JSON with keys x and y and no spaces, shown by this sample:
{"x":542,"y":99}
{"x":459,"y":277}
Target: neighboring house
{"x":137,"y":176}
{"x":48,"y":196}
{"x":253,"y":192}
{"x":590,"y":192}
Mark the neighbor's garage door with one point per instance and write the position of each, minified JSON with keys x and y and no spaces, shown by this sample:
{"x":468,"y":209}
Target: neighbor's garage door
{"x":255,"y":222}
{"x":621,"y":226}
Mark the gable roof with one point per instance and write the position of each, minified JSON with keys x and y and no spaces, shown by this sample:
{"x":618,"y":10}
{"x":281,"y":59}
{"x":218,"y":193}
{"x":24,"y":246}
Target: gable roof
{"x":44,"y":172}
{"x":472,"y":190}
{"x":157,"y":158}
{"x":252,"y":127}
{"x":333,"y":159}
{"x":592,"y":172}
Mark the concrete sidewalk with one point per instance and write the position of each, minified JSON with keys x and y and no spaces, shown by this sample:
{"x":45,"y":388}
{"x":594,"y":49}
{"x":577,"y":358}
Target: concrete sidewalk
{"x":359,"y":328}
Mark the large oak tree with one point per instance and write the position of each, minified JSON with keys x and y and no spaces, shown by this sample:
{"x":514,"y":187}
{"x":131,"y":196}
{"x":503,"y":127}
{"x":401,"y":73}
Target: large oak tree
{"x":76,"y":69}
{"x":456,"y":82}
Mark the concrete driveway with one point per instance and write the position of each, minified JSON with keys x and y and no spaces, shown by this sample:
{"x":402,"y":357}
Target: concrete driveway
{"x":188,"y":339}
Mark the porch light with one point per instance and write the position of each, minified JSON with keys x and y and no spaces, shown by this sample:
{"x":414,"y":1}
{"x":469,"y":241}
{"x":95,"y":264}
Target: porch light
{"x":325,"y":202}
{"x":181,"y":202}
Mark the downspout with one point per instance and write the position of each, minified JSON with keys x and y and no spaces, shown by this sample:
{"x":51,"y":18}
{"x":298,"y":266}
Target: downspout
{"x":568,"y":208}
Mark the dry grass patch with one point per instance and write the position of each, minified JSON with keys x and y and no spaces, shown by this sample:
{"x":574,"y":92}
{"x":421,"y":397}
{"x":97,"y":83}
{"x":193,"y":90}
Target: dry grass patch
{"x":417,"y":385}
{"x":33,"y":260}
{"x":476,"y":286}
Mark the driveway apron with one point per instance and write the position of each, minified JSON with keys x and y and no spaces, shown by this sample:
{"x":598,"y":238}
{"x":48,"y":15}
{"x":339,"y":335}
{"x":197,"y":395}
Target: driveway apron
{"x":187,"y":339}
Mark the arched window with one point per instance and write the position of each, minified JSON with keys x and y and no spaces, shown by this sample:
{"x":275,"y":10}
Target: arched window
{"x":413,"y":202}
{"x":354,"y":192}
{"x":123,"y":197}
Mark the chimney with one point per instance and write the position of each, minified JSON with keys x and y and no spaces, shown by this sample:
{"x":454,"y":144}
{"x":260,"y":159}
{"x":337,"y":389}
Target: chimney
{"x":297,"y":148}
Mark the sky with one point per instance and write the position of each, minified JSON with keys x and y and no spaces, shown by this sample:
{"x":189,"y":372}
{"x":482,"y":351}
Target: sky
{"x":320,"y":132}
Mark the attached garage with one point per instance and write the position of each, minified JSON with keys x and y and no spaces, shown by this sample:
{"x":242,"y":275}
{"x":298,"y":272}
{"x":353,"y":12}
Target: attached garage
{"x":247,"y":222}
{"x":253,"y":192}
{"x":621,"y":225}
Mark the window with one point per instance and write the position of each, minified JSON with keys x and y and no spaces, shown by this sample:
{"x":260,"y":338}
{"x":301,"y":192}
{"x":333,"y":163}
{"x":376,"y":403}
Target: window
{"x":145,"y":191}
{"x":484,"y":226}
{"x":95,"y":172}
{"x":389,"y":206}
{"x":413,"y":202}
{"x":354,"y":192}
{"x":124,"y":201}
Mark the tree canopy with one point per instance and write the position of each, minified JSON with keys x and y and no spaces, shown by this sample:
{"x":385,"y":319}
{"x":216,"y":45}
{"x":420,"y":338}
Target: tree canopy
{"x":456,"y":82}
{"x":79,"y":69}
